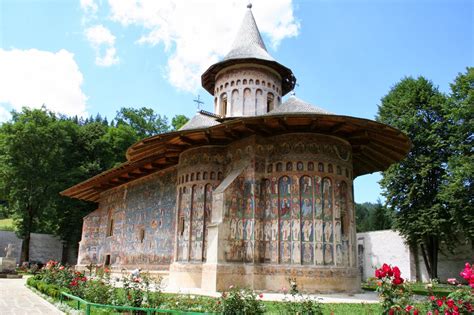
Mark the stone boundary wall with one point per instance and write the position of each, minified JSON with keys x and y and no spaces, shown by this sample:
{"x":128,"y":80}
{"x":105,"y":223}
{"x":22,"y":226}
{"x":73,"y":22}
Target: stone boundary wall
{"x":388,"y":246}
{"x":43,"y":247}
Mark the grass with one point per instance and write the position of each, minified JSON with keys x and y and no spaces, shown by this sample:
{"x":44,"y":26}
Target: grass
{"x":7,"y":225}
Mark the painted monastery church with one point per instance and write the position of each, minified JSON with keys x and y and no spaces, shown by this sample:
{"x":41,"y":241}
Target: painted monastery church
{"x":251,"y":195}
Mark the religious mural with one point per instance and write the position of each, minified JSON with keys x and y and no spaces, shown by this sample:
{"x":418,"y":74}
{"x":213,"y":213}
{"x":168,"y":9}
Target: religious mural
{"x":143,"y":220}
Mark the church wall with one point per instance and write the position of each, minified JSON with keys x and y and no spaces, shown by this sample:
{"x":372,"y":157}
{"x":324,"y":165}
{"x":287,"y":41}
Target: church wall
{"x":293,"y":204}
{"x":134,"y":225}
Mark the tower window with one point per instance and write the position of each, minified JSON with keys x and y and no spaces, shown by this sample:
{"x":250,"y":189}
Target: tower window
{"x":270,"y":102}
{"x":245,"y":82}
{"x":224,"y":104}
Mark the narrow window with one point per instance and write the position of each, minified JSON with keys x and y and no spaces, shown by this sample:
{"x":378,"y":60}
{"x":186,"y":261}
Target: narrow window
{"x":107,"y":260}
{"x":141,"y":236}
{"x":110,"y":225}
{"x":181,"y":226}
{"x":224,"y":104}
{"x":269,"y":102}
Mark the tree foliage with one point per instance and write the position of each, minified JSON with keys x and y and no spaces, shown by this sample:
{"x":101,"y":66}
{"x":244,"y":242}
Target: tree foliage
{"x":42,"y":154}
{"x":178,"y":121}
{"x":417,"y":188}
{"x":373,"y":217}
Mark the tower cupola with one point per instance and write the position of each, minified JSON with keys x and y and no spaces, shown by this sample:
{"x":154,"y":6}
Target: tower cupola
{"x":248,"y":81}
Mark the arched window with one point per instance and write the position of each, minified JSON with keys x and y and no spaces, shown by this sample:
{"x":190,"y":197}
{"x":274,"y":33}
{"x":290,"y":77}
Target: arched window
{"x":223,"y":110}
{"x":232,"y":83}
{"x":226,"y":85}
{"x":187,"y":178}
{"x":307,"y":230}
{"x":198,"y":176}
{"x":235,"y":100}
{"x":204,"y":175}
{"x":244,"y":82}
{"x":279,"y":167}
{"x":247,"y":108}
{"x":289,"y":166}
{"x":257,"y":82}
{"x":259,"y":99}
{"x":270,"y":168}
{"x":213,"y":175}
{"x":207,"y":218}
{"x":321,"y":167}
{"x":310,"y":166}
{"x":219,"y":175}
{"x":270,"y":99}
{"x":330,"y":170}
{"x":328,"y":228}
{"x":251,"y":81}
{"x":192,"y":176}
{"x":238,"y":82}
{"x":284,"y":209}
{"x":110,"y":223}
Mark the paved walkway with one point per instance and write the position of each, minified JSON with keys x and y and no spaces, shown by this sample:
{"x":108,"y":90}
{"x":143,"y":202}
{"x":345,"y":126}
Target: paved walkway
{"x":363,"y":297}
{"x":16,"y":299}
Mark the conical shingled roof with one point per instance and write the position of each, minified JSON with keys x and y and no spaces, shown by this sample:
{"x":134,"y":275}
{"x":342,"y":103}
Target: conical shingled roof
{"x":200,"y":120}
{"x":296,"y":105}
{"x":248,"y":42}
{"x":248,"y":47}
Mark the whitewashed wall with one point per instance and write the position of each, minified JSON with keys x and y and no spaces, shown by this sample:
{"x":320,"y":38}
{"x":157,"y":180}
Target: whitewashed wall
{"x":387,"y":246}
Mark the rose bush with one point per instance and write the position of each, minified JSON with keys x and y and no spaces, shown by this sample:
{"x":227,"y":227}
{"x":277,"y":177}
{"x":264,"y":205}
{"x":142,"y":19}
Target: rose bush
{"x":395,"y":295}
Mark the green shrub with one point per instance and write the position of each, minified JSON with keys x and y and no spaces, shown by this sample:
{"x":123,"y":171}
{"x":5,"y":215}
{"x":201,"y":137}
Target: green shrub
{"x":241,"y":301}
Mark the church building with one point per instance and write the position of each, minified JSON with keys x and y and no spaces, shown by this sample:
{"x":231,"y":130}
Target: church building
{"x":256,"y":193}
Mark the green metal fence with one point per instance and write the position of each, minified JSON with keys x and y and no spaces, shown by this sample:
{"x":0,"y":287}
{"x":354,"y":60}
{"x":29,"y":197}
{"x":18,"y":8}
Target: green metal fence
{"x":148,"y":311}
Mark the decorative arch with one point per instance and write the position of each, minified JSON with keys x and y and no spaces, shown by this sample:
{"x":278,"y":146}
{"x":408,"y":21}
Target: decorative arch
{"x":307,"y":214}
{"x":247,"y":107}
{"x":208,"y":190}
{"x":328,"y":235}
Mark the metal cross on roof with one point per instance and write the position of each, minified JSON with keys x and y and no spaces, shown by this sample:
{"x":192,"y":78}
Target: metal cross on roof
{"x":198,"y":102}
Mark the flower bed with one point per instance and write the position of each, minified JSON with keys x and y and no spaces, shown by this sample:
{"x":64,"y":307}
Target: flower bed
{"x":396,"y":295}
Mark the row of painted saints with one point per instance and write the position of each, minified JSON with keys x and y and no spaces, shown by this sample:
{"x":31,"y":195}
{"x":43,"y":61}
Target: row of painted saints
{"x":301,"y":223}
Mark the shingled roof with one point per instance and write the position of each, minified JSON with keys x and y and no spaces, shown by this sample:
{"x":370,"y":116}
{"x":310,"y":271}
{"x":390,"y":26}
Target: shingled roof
{"x":248,"y":42}
{"x":202,"y":119}
{"x":248,"y":47}
{"x":296,"y":105}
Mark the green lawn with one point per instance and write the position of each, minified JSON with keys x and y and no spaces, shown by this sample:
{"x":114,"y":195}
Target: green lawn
{"x":6,"y":225}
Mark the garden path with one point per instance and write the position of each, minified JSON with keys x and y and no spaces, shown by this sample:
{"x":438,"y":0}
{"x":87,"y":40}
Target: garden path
{"x":16,"y":299}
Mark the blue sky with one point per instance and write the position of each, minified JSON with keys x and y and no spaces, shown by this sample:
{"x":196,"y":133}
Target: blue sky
{"x":87,"y":57}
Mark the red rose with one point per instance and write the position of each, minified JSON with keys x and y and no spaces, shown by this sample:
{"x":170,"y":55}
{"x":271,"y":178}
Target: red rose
{"x":391,"y":311}
{"x":415,"y":312}
{"x":260,"y":295}
{"x":409,"y":308}
{"x":386,"y":268}
{"x":397,"y":281}
{"x":439,"y":302}
{"x":432,"y":298}
{"x":379,"y":273}
{"x":450,"y":303}
{"x":396,"y":272}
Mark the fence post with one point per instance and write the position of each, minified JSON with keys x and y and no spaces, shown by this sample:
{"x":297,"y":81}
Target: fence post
{"x":88,"y":309}
{"x":78,"y":304}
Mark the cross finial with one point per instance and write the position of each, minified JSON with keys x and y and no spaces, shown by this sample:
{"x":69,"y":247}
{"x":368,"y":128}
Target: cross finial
{"x":198,"y":102}
{"x":249,"y":6}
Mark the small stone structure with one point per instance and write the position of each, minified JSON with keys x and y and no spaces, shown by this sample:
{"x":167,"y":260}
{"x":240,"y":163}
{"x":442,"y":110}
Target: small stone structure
{"x":43,"y":247}
{"x":254,"y":194}
{"x":8,"y":263}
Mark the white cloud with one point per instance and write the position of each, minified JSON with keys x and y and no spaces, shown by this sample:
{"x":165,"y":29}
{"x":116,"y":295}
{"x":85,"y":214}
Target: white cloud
{"x":4,"y":114}
{"x":103,"y":41}
{"x":197,"y":33}
{"x":89,"y":6}
{"x":32,"y":78}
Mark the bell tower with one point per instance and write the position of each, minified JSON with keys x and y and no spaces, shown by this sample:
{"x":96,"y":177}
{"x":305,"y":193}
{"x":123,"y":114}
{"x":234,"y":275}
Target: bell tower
{"x":248,"y":81}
